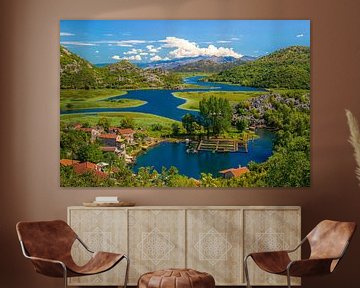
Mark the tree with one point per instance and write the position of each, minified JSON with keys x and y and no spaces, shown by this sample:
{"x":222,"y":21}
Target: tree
{"x":104,"y":122}
{"x":290,"y":165}
{"x":156,"y":127}
{"x":127,"y":123}
{"x":175,"y":127}
{"x":241,"y":124}
{"x":71,"y":141}
{"x":216,"y":114}
{"x":90,"y":153}
{"x":188,"y":121}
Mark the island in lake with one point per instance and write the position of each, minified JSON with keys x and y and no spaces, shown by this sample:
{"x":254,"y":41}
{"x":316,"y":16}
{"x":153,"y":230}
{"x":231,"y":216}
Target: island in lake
{"x":165,"y":111}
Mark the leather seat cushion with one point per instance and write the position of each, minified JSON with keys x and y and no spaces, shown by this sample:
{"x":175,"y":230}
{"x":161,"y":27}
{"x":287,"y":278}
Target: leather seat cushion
{"x":176,"y":278}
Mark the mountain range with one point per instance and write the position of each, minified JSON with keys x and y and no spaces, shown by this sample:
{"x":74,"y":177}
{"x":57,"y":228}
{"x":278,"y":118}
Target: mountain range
{"x":208,"y":64}
{"x":284,"y":68}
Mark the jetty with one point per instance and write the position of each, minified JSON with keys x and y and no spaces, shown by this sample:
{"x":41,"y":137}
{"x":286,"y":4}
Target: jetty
{"x":223,"y":145}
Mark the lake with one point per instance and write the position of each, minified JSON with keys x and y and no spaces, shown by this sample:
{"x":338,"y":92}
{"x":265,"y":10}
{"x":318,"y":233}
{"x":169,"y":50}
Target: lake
{"x":161,"y":102}
{"x":168,"y":154}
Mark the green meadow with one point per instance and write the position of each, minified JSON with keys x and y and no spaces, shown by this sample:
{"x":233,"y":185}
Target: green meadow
{"x":193,"y":98}
{"x":73,"y":99}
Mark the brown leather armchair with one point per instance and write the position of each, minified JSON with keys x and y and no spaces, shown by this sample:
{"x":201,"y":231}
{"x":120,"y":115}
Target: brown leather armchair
{"x":328,"y":242}
{"x":48,"y":245}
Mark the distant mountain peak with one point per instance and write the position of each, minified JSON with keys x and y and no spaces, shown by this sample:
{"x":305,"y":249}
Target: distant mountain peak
{"x":198,"y":63}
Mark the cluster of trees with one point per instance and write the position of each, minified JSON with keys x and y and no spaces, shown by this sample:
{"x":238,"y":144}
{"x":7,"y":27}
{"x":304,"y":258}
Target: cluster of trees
{"x":285,"y":68}
{"x":215,"y":117}
{"x":77,"y":73}
{"x":289,"y":166}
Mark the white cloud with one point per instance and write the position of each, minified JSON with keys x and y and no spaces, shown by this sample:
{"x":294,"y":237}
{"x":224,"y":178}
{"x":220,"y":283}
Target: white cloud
{"x":185,"y":48}
{"x":152,"y":54}
{"x":234,"y":38}
{"x":77,"y":43}
{"x":156,"y":58}
{"x":133,"y":51}
{"x":299,"y":35}
{"x":143,"y":53}
{"x":108,"y":34}
{"x":152,"y":49}
{"x":97,"y":51}
{"x":134,"y":57}
{"x":122,"y":43}
{"x":66,"y":34}
{"x":223,"y":41}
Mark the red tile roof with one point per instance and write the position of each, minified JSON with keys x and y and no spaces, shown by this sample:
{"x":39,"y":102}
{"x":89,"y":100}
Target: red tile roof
{"x":235,"y":171}
{"x":68,"y":162}
{"x":84,"y":167}
{"x":126,"y":131}
{"x":108,"y":136}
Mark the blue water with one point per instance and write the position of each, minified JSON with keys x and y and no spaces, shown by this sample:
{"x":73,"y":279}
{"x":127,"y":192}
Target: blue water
{"x":168,"y":154}
{"x":161,"y":102}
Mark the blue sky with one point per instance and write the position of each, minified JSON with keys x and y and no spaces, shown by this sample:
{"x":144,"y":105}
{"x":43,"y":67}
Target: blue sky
{"x":108,"y":41}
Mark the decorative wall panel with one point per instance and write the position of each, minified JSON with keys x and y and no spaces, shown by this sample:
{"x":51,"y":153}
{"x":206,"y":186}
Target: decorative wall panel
{"x":270,"y":230}
{"x":214,"y":241}
{"x":156,"y":240}
{"x":101,"y":230}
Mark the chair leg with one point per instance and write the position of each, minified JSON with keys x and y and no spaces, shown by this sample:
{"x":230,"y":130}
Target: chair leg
{"x":246,"y":270}
{"x":288,"y":279}
{"x":65,"y":277}
{"x":126,"y":271}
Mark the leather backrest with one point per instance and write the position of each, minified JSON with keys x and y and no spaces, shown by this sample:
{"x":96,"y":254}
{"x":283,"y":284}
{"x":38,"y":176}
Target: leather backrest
{"x":47,"y":239}
{"x":329,"y":239}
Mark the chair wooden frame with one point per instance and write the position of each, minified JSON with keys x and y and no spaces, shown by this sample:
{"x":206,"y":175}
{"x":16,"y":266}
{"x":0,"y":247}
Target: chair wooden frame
{"x":65,"y":270}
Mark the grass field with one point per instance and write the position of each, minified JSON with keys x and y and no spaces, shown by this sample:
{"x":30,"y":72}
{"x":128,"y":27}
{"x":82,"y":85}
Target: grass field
{"x":142,"y":121}
{"x":82,"y":99}
{"x":193,"y":98}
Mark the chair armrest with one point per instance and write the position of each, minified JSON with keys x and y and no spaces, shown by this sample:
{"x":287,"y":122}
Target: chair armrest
{"x":309,"y":267}
{"x":49,"y":267}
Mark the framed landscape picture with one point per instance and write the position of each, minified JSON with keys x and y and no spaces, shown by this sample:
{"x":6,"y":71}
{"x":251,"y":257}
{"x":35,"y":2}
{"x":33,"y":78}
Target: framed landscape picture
{"x":185,"y":103}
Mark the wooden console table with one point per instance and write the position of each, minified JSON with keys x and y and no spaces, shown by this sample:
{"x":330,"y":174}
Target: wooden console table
{"x":210,"y":239}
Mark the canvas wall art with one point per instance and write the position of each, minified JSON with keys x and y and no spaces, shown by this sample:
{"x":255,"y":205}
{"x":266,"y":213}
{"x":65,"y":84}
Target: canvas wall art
{"x":184,"y":103}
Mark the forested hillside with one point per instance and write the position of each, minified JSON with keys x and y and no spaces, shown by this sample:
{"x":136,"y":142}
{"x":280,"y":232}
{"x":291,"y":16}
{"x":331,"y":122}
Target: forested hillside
{"x":286,"y":68}
{"x":77,"y":73}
